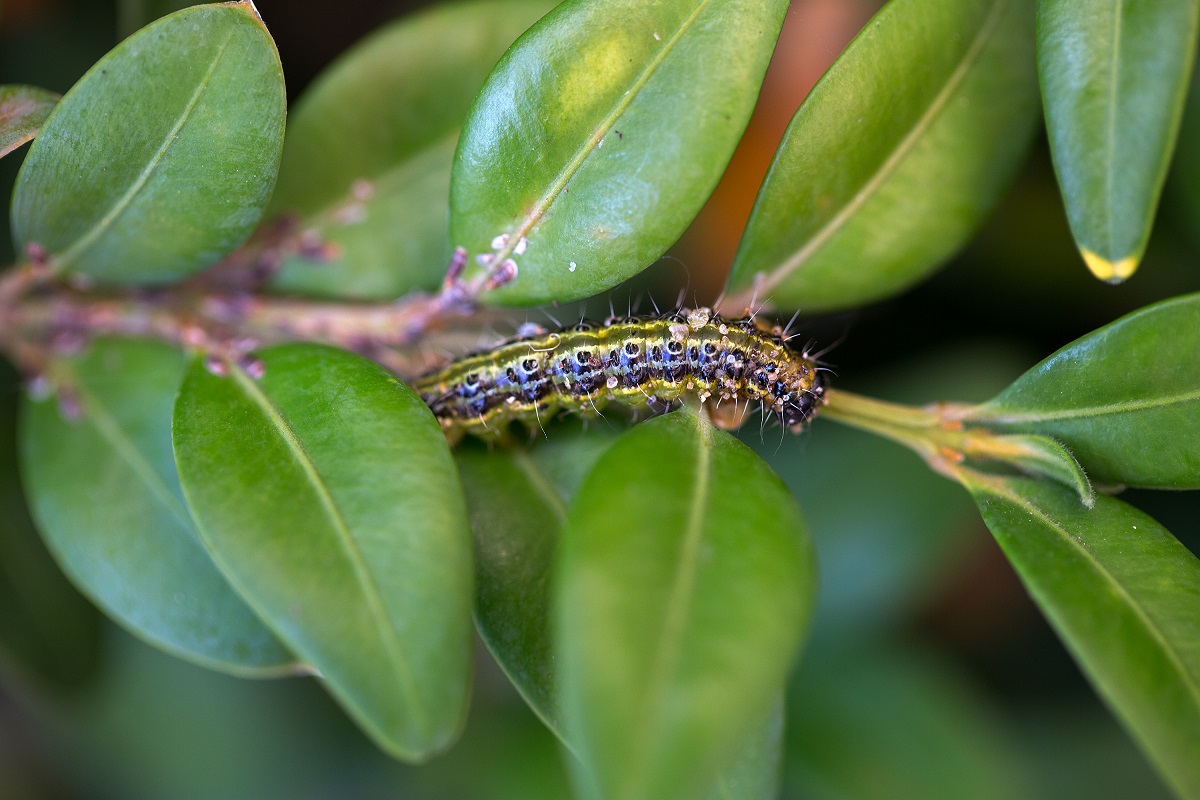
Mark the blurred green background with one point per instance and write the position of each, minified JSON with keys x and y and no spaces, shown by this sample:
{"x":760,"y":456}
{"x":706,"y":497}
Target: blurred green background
{"x":929,"y":673}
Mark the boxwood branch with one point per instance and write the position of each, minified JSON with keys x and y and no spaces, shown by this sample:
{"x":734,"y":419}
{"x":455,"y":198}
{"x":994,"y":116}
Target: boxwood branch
{"x":222,"y":314}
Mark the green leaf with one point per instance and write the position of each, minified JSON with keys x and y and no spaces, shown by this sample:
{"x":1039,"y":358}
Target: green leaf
{"x":896,"y":157}
{"x":23,"y":109}
{"x":161,"y":158}
{"x":600,"y":134}
{"x":1124,"y":399}
{"x":106,"y":497}
{"x":369,"y":148}
{"x":516,"y":517}
{"x":1114,"y":78}
{"x":570,"y":451}
{"x":1125,"y":597}
{"x":754,"y":773}
{"x":326,"y":492}
{"x":1040,"y":456}
{"x":517,"y":500}
{"x":685,"y":581}
{"x":392,"y":241}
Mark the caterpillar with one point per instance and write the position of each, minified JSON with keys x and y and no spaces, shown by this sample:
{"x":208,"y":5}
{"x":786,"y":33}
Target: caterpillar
{"x":643,"y":363}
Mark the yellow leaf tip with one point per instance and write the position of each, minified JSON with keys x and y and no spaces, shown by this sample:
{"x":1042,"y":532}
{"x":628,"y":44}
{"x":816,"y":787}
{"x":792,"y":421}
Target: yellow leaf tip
{"x":1109,"y":271}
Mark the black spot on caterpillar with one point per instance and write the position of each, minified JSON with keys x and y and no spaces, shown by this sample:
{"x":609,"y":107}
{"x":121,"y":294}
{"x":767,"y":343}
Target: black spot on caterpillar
{"x":642,"y":363}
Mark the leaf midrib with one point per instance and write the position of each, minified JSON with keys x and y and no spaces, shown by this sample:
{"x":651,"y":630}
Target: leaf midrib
{"x":891,"y":164}
{"x":541,"y":485}
{"x":679,"y":604}
{"x":111,"y":431}
{"x":1126,"y":407}
{"x":64,"y":259}
{"x":1110,"y":144}
{"x":366,"y":581}
{"x":555,"y":189}
{"x":1187,"y":679}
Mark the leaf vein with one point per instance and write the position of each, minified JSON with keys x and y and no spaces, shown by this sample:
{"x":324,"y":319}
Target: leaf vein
{"x":1110,"y":144}
{"x":371,"y":591}
{"x":1124,"y":407}
{"x":575,"y":163}
{"x":542,"y":486}
{"x":679,"y":598}
{"x":892,"y":163}
{"x":1137,"y":608}
{"x":121,"y":206}
{"x":108,"y":427}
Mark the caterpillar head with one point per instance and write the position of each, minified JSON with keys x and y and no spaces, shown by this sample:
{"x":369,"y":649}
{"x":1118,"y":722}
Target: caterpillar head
{"x":801,"y":392}
{"x":803,"y":402}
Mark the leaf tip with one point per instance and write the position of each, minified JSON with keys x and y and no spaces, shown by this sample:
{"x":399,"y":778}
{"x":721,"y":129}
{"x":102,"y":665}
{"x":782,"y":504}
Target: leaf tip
{"x":249,"y":7}
{"x":1109,"y":271}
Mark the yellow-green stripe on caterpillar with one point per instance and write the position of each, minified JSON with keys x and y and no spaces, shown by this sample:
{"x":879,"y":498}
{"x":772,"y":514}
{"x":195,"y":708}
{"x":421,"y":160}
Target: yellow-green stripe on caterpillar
{"x":642,"y":363}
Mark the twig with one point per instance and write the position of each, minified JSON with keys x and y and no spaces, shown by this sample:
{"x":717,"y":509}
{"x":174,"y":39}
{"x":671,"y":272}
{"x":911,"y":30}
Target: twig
{"x":39,"y":319}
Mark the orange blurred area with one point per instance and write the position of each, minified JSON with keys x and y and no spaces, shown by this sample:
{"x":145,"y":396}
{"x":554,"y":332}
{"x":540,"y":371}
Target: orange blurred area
{"x":15,"y":13}
{"x":814,"y":33}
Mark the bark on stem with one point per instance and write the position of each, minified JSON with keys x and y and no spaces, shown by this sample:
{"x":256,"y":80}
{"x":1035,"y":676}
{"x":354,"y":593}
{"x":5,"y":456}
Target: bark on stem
{"x":38,"y":319}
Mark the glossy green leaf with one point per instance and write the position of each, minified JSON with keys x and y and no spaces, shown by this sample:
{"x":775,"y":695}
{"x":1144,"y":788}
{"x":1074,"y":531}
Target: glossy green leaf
{"x":516,"y":518}
{"x":161,"y":158}
{"x":1124,"y":595}
{"x":326,"y":493}
{"x":517,"y":499}
{"x":23,"y":109}
{"x":106,"y":498}
{"x":368,"y":151}
{"x":897,"y":724}
{"x":684,"y":584}
{"x":1124,"y":399}
{"x":1114,"y":78}
{"x":896,"y":156}
{"x":600,"y":134}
